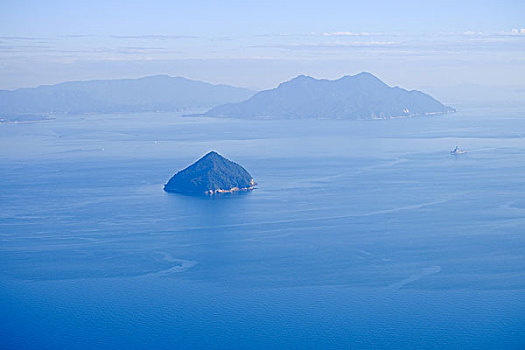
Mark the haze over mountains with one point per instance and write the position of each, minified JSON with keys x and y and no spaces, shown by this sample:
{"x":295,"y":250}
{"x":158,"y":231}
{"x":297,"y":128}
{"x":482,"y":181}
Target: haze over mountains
{"x":361,"y":96}
{"x":153,"y":93}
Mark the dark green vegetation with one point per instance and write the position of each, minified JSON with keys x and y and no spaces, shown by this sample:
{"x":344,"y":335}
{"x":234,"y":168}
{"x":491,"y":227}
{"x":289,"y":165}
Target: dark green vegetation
{"x":212,"y":174}
{"x":362,"y":96}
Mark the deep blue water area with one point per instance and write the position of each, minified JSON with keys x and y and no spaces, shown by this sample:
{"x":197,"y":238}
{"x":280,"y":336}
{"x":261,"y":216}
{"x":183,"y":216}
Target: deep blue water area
{"x":360,"y":235}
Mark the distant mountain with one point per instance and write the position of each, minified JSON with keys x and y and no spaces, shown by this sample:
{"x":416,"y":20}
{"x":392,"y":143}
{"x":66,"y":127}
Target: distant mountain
{"x":361,"y":96}
{"x":153,"y":93}
{"x":212,"y":174}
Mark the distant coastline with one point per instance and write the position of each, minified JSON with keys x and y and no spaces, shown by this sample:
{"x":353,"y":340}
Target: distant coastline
{"x":23,"y":119}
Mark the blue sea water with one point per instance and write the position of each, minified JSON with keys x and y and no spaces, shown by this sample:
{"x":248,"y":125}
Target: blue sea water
{"x":360,"y":235}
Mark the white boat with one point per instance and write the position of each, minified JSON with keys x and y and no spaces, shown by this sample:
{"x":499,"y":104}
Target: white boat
{"x":457,"y":151}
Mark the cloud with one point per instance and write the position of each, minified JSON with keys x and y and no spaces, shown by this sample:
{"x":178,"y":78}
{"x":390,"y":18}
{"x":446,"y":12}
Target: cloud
{"x":345,"y":34}
{"x":24,"y":38}
{"x":154,"y":37}
{"x":331,"y":44}
{"x":23,"y":48}
{"x":271,"y":35}
{"x":77,"y":35}
{"x":471,"y":33}
{"x":334,"y":45}
{"x":134,"y":50}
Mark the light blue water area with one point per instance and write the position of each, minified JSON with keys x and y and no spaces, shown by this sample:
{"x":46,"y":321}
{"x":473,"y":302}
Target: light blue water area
{"x":361,"y":234}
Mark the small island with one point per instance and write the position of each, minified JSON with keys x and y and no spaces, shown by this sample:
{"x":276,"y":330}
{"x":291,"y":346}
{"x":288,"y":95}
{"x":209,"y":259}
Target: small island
{"x":212,"y":174}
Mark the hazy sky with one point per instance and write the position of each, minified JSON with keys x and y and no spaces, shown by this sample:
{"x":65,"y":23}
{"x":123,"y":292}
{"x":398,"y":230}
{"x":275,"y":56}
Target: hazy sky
{"x":413,"y":44}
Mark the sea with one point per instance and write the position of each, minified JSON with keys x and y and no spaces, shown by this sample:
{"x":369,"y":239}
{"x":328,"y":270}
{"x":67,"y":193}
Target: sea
{"x":360,"y":234}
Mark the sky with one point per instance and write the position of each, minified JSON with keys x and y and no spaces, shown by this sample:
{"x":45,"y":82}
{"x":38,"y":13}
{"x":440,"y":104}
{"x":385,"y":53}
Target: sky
{"x":258,"y":44}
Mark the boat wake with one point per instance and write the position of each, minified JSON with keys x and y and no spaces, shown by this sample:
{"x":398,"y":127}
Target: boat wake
{"x":414,"y":277}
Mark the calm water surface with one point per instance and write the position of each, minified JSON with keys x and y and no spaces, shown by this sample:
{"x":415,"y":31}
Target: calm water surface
{"x":361,"y":235}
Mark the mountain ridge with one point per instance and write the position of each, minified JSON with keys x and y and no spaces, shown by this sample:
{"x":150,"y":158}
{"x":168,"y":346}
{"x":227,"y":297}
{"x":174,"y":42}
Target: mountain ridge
{"x":360,"y":96}
{"x":150,"y":93}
